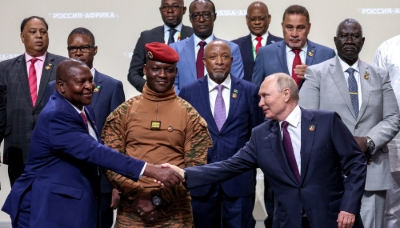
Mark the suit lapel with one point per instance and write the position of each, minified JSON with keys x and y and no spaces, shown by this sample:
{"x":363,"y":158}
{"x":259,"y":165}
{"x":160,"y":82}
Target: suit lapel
{"x":365,"y":87}
{"x":190,"y":59}
{"x":281,"y":51}
{"x":98,"y":81}
{"x":310,"y":53}
{"x":248,"y":47}
{"x":307,"y":140}
{"x":90,"y":119}
{"x":159,"y":34}
{"x":205,"y":101}
{"x":275,"y":140}
{"x":23,"y":78}
{"x":48,"y":67}
{"x":186,"y":32}
{"x":337,"y":75}
{"x":236,"y":87}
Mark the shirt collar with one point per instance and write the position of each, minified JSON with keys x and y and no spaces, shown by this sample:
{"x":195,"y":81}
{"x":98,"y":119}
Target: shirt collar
{"x":167,"y":28}
{"x":264,"y":37}
{"x":93,"y":71}
{"x":41,"y":58}
{"x":226,"y":83}
{"x":304,"y":48}
{"x":294,"y":118}
{"x":197,"y":39}
{"x":346,"y":66}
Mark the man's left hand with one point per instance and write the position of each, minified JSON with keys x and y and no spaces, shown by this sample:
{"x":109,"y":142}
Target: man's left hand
{"x":300,"y":70}
{"x":345,"y":219}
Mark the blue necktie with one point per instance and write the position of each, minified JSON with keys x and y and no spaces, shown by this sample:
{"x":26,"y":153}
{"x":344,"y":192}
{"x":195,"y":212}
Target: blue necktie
{"x":353,"y":90}
{"x":171,"y":36}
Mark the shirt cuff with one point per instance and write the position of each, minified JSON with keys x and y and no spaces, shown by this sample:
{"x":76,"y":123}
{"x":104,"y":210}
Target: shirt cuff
{"x":141,"y":172}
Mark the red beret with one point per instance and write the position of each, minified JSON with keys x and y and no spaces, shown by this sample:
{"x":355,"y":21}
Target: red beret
{"x":161,"y":52}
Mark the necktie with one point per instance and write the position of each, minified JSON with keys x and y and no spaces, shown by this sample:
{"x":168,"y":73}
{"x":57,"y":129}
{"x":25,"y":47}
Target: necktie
{"x":199,"y":60}
{"x":33,"y":81}
{"x":296,"y":61}
{"x":171,"y":36}
{"x":84,"y":120}
{"x":287,"y":146}
{"x":258,"y":38}
{"x":219,"y":108}
{"x":353,"y":90}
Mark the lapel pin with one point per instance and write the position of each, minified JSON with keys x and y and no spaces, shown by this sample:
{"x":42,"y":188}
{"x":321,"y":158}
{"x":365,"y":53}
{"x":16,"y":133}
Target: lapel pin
{"x":272,"y":41}
{"x":366,"y":75}
{"x":311,"y":127}
{"x":311,"y":53}
{"x":48,"y":66}
{"x":234,"y":95}
{"x":170,"y":129}
{"x":235,"y":91}
{"x":96,"y":89}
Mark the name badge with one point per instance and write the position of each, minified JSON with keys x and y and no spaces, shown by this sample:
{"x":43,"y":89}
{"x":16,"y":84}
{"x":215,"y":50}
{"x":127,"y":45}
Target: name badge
{"x":155,"y":125}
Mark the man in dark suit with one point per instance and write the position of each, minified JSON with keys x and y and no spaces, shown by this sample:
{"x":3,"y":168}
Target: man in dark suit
{"x":60,"y":185}
{"x":294,"y":53}
{"x":26,"y":78}
{"x":107,"y":96}
{"x":257,"y":20}
{"x":313,"y":164}
{"x":230,"y":203}
{"x":173,"y":30}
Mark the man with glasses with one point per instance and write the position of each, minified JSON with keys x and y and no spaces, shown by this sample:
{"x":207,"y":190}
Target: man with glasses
{"x":172,"y":31}
{"x":363,"y":97}
{"x":191,"y":51}
{"x":26,"y":78}
{"x":108,"y":94}
{"x":257,"y":20}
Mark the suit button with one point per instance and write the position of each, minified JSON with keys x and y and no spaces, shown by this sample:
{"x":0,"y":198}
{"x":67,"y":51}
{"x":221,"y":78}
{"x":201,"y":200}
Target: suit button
{"x":301,"y":189}
{"x":219,"y":137}
{"x":33,"y":112}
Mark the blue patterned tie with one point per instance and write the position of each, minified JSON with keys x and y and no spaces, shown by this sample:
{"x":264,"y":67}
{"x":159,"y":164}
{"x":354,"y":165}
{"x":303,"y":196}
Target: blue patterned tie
{"x":353,"y":90}
{"x":219,"y":108}
{"x":171,"y":36}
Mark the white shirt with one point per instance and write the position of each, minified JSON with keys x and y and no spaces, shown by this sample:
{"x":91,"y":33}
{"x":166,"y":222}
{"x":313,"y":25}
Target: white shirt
{"x":177,"y":34}
{"x":290,"y":57}
{"x":294,"y":129}
{"x":356,"y":73}
{"x":213,"y":92}
{"x":255,"y":42}
{"x":93,"y":71}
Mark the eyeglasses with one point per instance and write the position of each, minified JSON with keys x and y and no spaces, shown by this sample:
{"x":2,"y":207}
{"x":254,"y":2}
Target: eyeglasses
{"x":174,"y":7}
{"x":354,"y":37}
{"x":206,"y":16}
{"x":84,"y":49}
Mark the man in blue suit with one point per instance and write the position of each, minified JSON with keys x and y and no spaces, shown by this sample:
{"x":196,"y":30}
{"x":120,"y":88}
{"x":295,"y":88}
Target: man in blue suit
{"x":311,"y":160}
{"x":60,"y":185}
{"x":257,"y":20}
{"x":107,"y":96}
{"x":191,"y":50}
{"x":294,"y":53}
{"x":230,"y":203}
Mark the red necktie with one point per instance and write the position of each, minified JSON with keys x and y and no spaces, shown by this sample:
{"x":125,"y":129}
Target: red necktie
{"x":296,"y":61}
{"x":84,"y":120}
{"x":33,"y":81}
{"x":199,"y":61}
{"x":258,"y":38}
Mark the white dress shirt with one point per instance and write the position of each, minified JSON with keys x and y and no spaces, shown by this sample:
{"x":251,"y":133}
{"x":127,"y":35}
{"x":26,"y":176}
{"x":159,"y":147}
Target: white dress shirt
{"x":255,"y":42}
{"x":177,"y":34}
{"x":356,"y":73}
{"x":290,"y":57}
{"x":213,"y":92}
{"x":294,"y":129}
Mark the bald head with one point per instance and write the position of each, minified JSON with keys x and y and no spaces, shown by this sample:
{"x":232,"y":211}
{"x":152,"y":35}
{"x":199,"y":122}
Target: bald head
{"x":67,"y":67}
{"x":218,"y":60}
{"x":258,"y":18}
{"x":347,"y":21}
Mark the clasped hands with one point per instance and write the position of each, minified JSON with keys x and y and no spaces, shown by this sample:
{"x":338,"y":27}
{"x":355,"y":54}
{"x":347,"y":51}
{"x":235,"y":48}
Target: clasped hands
{"x":166,"y":174}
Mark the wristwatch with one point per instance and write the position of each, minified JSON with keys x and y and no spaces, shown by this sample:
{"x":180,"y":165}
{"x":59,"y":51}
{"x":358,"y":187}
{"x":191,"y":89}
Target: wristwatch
{"x":370,"y":144}
{"x":156,"y":200}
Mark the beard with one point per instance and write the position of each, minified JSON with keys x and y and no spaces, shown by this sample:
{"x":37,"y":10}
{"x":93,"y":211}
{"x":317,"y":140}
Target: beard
{"x":219,"y":76}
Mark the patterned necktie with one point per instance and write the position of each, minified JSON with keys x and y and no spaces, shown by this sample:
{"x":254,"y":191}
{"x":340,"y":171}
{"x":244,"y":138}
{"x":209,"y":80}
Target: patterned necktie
{"x":219,"y":108}
{"x":258,"y":38}
{"x":296,"y":61}
{"x":84,"y":120}
{"x":353,"y":90}
{"x":171,"y":36}
{"x":288,"y":148}
{"x":199,"y":60}
{"x":33,"y":81}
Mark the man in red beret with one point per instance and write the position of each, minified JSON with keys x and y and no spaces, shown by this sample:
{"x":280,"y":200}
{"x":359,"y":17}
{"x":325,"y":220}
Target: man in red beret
{"x":157,"y":127}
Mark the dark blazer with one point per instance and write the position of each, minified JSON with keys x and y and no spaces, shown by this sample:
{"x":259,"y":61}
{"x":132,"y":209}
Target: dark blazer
{"x":3,"y":114}
{"x":272,"y":59}
{"x":61,"y":178}
{"x":109,"y":95}
{"x":21,"y":115}
{"x":135,"y":75}
{"x":246,"y":50}
{"x":244,"y":114}
{"x":328,"y":152}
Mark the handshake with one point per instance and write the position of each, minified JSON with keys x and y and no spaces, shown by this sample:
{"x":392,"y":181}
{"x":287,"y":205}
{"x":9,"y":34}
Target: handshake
{"x":166,"y":174}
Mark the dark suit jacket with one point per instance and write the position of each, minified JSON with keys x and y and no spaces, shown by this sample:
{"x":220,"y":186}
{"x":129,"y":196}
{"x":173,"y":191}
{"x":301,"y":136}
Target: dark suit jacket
{"x":327,"y":153}
{"x":109,"y":95}
{"x":246,"y":50}
{"x":3,"y":113}
{"x":243,"y":115}
{"x":272,"y":59}
{"x":61,"y":178}
{"x":21,"y":115}
{"x":135,"y":75}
